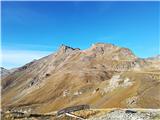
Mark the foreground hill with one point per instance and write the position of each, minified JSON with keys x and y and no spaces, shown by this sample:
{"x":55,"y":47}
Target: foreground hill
{"x":103,"y":76}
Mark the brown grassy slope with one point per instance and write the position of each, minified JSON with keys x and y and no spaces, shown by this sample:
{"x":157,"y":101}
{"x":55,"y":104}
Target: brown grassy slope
{"x":71,"y":76}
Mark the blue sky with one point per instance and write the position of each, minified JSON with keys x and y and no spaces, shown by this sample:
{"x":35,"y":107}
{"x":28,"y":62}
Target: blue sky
{"x":31,"y":30}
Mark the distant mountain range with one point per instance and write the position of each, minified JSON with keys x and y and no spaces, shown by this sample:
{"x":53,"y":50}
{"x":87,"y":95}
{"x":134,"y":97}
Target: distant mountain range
{"x":103,"y":76}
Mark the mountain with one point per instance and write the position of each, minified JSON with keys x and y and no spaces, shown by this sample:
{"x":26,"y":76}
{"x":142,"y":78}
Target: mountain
{"x":103,"y":76}
{"x":157,"y":57}
{"x":4,"y":72}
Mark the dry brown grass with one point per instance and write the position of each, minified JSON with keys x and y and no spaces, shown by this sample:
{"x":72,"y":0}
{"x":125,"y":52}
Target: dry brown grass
{"x":83,"y":71}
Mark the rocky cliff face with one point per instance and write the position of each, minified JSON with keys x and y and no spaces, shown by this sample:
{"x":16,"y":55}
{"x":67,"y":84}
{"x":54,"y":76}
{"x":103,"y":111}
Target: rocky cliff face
{"x":102,"y":76}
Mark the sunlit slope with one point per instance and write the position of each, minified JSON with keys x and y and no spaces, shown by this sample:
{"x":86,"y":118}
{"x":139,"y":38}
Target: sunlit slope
{"x":103,"y":76}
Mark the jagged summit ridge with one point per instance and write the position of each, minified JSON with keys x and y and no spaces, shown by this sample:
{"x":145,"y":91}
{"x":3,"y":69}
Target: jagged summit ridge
{"x":64,"y":48}
{"x":102,"y":49}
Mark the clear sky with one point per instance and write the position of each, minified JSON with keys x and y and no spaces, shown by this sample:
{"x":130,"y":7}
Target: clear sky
{"x":31,"y":30}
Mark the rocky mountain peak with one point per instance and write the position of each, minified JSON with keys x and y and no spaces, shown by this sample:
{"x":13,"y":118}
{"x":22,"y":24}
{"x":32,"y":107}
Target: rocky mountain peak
{"x":112,"y":50}
{"x":64,"y":48}
{"x":104,"y":46}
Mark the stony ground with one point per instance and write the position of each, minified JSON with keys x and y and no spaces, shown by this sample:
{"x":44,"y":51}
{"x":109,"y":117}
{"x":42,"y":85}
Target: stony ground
{"x":93,"y":114}
{"x":128,"y":115}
